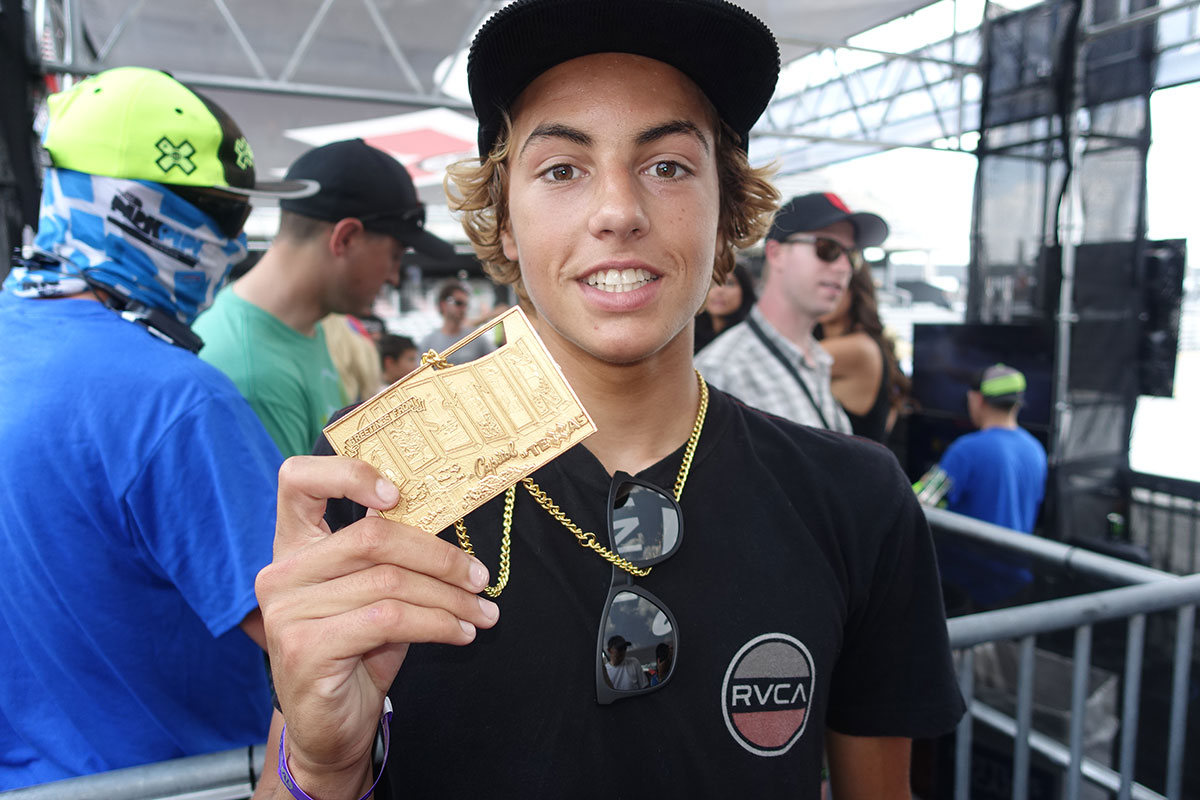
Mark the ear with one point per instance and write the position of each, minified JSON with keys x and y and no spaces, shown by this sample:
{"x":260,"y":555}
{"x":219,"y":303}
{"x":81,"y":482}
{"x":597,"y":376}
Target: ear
{"x":344,"y":235}
{"x":509,"y":243}
{"x":771,"y":249}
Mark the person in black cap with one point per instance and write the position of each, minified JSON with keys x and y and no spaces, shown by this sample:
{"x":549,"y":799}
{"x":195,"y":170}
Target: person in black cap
{"x":772,"y":361}
{"x":624,"y":672}
{"x":612,"y":191}
{"x":334,"y":251}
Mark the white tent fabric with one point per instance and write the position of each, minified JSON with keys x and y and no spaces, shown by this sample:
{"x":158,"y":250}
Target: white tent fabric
{"x":391,"y":50}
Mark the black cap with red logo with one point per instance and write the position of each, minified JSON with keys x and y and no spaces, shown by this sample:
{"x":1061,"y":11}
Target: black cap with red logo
{"x":812,"y":212}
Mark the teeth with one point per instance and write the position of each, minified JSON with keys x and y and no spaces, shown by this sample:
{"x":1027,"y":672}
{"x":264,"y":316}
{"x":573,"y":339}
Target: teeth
{"x":620,"y":280}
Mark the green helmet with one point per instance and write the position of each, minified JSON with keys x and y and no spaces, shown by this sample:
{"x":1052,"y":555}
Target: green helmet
{"x":142,"y":124}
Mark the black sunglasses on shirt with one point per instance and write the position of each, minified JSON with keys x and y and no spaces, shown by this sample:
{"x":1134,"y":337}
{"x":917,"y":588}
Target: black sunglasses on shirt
{"x":645,"y":527}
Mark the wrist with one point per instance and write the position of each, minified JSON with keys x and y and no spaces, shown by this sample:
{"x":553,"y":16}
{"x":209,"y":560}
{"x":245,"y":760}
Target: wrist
{"x":319,"y":783}
{"x":354,"y":782}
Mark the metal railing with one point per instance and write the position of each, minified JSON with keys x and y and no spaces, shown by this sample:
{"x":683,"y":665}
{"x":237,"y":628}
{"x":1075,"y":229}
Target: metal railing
{"x":228,"y":775}
{"x":1165,"y":519}
{"x":1152,"y":591}
{"x":1142,"y":591}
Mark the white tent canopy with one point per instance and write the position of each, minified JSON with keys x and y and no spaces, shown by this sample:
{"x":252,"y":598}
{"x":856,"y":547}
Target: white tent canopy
{"x":279,"y":65}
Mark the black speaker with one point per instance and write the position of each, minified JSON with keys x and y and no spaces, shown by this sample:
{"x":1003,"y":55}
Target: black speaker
{"x":1162,"y":305}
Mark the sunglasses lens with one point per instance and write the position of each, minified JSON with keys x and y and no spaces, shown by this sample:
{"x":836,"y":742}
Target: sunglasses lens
{"x":645,"y":523}
{"x":828,"y":250}
{"x":638,"y":644}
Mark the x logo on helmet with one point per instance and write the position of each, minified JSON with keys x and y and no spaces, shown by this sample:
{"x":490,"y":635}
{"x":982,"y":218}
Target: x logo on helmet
{"x":176,"y":155}
{"x":245,"y":156}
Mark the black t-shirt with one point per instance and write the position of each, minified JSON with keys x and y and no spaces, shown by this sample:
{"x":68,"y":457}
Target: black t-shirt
{"x":806,"y":595}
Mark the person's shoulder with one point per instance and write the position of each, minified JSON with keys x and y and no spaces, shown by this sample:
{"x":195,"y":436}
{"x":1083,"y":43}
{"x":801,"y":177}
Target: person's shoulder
{"x":223,"y":323}
{"x":722,"y":359}
{"x":1030,"y":443}
{"x":831,"y":455}
{"x":974,"y":438}
{"x":824,"y":478}
{"x":854,"y":349}
{"x":178,"y":369}
{"x":725,"y":344}
{"x":430,"y":341}
{"x":226,"y":303}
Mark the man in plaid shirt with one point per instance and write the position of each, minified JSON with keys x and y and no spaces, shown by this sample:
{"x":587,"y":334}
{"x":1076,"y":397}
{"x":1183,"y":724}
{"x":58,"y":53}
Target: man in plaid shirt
{"x":771,"y":360}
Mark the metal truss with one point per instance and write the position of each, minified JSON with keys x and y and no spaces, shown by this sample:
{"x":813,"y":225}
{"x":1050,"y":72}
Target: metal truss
{"x":843,"y":101}
{"x":854,"y":101}
{"x":66,"y":48}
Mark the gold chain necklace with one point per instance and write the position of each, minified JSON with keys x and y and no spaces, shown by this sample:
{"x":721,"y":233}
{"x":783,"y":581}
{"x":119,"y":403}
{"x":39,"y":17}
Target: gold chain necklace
{"x":586,"y":539}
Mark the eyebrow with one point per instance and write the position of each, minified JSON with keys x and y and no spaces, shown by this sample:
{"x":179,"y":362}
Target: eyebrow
{"x":670,"y":129}
{"x":555,"y":130}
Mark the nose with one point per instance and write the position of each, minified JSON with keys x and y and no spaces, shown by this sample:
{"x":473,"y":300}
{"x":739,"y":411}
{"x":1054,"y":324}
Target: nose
{"x":618,"y":209}
{"x":843,"y":264}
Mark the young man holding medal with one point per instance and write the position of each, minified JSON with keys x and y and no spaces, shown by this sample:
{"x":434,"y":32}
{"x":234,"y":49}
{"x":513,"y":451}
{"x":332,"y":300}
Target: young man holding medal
{"x":801,"y":620}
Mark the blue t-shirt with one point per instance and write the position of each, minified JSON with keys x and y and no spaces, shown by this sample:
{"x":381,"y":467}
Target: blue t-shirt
{"x":998,"y":475}
{"x":138,"y":497}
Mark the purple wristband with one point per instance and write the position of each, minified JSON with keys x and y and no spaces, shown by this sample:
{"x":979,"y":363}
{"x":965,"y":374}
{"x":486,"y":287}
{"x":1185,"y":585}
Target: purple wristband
{"x":285,"y":775}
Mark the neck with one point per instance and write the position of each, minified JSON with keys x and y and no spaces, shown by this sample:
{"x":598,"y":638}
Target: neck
{"x":286,"y":283}
{"x":718,"y":323}
{"x":835,"y":327}
{"x":794,"y":325}
{"x":450,"y":329}
{"x":643,"y":411}
{"x":994,"y":418}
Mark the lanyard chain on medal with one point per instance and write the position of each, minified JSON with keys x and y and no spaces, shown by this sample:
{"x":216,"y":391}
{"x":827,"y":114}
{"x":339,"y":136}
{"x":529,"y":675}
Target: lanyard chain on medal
{"x":586,"y":539}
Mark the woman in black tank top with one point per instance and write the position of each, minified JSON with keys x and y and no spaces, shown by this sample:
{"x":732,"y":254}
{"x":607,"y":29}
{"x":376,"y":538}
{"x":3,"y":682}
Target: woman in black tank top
{"x":867,"y":380}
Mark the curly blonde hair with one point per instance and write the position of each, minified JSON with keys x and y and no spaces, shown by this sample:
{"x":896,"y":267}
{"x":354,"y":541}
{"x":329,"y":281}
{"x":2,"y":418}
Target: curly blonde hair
{"x":477,"y":190}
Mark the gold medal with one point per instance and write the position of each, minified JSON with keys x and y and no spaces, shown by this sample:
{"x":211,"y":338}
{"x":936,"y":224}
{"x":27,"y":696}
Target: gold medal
{"x":452,"y":437}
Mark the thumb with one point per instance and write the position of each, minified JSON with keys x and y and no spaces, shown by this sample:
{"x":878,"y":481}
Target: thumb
{"x":307,"y":482}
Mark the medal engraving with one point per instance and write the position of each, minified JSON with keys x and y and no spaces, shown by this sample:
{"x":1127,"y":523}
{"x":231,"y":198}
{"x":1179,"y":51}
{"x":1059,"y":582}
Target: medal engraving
{"x":451,"y":438}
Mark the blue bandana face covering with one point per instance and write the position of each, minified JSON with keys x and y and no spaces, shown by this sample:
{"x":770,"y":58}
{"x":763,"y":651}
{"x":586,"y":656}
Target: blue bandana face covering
{"x":137,"y":239}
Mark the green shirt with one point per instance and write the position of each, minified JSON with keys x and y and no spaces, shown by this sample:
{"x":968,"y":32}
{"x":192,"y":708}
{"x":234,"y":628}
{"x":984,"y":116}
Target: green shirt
{"x":288,"y":377}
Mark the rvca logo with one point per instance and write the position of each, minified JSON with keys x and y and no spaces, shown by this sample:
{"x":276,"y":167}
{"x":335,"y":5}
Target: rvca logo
{"x":766,"y":693}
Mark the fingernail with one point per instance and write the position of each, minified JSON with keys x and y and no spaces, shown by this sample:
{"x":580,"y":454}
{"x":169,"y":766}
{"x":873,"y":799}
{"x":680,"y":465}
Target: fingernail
{"x":467,"y":627}
{"x":489,"y":609}
{"x":387,"y":492}
{"x":478,"y":574}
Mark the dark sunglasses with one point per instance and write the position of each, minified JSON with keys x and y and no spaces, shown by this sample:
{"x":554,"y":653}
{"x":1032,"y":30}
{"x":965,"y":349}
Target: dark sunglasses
{"x":828,"y":250}
{"x":228,"y":213}
{"x":638,"y":643}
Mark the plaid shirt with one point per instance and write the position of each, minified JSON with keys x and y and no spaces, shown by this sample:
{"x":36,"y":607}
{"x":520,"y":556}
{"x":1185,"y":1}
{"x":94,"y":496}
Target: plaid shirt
{"x":739,"y":363}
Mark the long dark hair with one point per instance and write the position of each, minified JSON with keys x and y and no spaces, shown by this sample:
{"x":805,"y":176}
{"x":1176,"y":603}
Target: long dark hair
{"x":704,"y":326}
{"x":863,"y":315}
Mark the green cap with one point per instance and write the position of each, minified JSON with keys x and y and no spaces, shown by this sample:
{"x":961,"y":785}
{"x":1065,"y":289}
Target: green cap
{"x":1001,"y":381}
{"x":142,"y":124}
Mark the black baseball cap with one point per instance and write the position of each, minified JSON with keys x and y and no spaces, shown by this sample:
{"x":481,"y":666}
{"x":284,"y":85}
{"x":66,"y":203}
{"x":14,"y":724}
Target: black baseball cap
{"x":811,"y":212}
{"x":728,"y":52}
{"x":364,"y":182}
{"x":618,"y":641}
